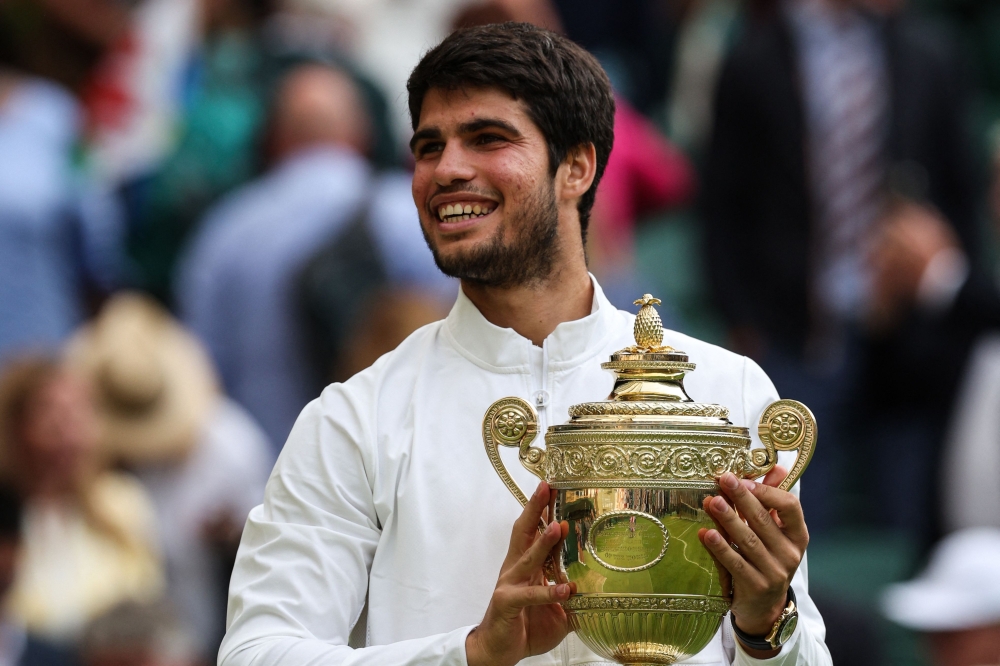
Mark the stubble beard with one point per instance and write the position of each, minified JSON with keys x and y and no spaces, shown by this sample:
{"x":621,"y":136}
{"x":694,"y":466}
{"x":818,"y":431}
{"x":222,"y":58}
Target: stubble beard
{"x":528,"y":259}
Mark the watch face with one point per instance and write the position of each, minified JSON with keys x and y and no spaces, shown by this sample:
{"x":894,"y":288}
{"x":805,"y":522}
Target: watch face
{"x":788,"y":629}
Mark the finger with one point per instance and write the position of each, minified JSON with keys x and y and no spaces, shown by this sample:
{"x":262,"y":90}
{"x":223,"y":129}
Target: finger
{"x":530,"y":563}
{"x":789,"y":511}
{"x":750,"y":546}
{"x":775,"y":476}
{"x":512,"y":598}
{"x":742,"y":572}
{"x":556,"y":552}
{"x":725,"y":578}
{"x":757,"y":516}
{"x":774,"y":479}
{"x":706,"y":505}
{"x":526,"y":526}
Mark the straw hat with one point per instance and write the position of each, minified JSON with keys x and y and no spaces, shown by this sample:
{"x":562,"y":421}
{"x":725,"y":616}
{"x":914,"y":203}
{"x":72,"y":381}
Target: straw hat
{"x":153,"y":382}
{"x":960,"y":589}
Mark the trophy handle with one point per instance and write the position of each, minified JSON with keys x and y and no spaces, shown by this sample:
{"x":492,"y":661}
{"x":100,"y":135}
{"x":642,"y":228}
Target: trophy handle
{"x":786,"y":425}
{"x":513,"y":422}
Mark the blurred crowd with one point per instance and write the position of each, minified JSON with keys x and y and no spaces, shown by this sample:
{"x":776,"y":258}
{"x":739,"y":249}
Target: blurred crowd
{"x":205,"y":217}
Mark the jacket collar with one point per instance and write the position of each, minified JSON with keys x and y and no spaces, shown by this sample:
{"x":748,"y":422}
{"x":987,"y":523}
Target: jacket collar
{"x":504,"y":350}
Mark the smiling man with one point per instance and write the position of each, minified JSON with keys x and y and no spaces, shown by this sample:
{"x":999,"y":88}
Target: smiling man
{"x":383,"y":490}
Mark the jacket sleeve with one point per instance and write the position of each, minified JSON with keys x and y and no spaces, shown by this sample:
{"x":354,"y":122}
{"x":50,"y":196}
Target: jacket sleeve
{"x":301,"y":574}
{"x":806,"y":646}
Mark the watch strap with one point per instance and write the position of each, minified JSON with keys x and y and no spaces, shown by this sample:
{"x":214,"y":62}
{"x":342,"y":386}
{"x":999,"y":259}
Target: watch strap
{"x":761,"y":642}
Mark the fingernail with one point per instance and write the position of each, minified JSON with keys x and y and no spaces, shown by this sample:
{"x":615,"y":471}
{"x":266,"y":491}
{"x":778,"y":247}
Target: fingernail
{"x":748,"y":484}
{"x":713,"y":537}
{"x":730,"y":481}
{"x":720,"y":505}
{"x":562,"y":590}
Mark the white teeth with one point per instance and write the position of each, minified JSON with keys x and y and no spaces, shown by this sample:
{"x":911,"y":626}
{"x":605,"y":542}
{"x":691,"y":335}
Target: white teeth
{"x":460,"y":211}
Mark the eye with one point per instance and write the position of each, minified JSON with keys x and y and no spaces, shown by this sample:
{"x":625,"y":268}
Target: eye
{"x":429,"y":148}
{"x":486,"y":139}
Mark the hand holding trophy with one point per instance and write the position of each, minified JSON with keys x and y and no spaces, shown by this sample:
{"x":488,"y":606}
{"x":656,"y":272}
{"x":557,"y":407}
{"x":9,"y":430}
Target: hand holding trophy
{"x":649,"y":540}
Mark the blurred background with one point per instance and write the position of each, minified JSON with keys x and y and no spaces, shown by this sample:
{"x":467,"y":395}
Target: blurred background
{"x":205,"y":217}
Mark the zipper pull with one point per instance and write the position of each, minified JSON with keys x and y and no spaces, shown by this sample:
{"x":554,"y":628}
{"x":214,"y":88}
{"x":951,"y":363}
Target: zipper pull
{"x":541,"y":399}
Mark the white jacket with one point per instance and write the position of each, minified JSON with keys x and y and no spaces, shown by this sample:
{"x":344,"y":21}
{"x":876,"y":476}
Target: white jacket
{"x":384,"y":488}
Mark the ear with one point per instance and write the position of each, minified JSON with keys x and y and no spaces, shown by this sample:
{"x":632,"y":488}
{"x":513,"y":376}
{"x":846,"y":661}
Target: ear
{"x":576,"y":173}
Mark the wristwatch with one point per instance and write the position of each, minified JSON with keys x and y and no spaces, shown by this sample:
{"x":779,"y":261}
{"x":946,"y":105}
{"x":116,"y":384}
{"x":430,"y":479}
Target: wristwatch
{"x":782,"y":630}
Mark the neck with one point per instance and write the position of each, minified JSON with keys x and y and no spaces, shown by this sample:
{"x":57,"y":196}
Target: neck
{"x":534,"y":311}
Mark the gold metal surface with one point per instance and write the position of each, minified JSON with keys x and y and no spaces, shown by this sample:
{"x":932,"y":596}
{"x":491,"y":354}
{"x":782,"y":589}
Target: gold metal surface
{"x":632,"y":473}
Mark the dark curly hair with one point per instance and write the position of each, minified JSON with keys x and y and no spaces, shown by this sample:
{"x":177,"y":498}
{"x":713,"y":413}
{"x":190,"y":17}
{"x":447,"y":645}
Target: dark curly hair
{"x":566,"y":92}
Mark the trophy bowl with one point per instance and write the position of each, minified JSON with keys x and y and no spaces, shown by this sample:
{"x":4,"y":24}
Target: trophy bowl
{"x":631,"y":475}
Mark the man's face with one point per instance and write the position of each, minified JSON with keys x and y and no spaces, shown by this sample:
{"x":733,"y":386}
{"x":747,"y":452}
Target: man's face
{"x":483,"y":188}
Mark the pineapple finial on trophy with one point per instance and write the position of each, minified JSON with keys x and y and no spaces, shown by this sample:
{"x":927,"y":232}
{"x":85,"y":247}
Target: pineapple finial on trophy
{"x":648,"y":327}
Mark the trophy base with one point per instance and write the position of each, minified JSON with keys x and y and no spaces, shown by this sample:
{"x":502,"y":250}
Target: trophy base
{"x":646,"y":630}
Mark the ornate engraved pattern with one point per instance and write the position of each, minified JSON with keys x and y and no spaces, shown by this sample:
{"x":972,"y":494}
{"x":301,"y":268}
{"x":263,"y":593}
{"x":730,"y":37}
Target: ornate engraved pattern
{"x":685,"y":462}
{"x":659,"y":484}
{"x":648,"y":365}
{"x":785,"y":428}
{"x":509,"y":424}
{"x":648,"y":409}
{"x":733,"y":436}
{"x":660,"y":602}
{"x":648,"y":460}
{"x":610,"y":461}
{"x":664,"y":464}
{"x":787,"y":425}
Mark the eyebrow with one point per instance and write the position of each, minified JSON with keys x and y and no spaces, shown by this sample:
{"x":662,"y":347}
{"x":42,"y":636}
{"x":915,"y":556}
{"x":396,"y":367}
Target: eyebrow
{"x":465,"y":128}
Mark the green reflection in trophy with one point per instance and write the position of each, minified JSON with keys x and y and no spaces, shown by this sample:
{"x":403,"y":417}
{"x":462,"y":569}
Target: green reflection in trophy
{"x":631,"y":474}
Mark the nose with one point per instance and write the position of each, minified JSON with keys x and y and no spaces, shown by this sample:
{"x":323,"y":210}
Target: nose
{"x":453,"y":165}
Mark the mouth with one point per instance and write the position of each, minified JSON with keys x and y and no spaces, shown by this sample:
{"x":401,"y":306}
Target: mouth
{"x":460,"y":211}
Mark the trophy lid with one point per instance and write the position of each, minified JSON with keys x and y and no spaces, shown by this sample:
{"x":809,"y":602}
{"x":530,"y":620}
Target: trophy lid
{"x":649,"y":383}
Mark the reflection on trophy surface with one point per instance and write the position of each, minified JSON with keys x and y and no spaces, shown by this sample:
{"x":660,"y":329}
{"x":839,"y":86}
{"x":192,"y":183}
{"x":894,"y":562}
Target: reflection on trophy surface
{"x":632,"y":473}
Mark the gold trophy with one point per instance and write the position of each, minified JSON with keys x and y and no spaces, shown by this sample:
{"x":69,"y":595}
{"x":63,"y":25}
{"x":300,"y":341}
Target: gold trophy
{"x":631,"y":474}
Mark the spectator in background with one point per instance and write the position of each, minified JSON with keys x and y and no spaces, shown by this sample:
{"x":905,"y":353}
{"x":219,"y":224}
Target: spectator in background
{"x":89,"y":533}
{"x":633,"y":39}
{"x":955,"y":602}
{"x":224,"y":95}
{"x":201,"y":457}
{"x":60,"y":40}
{"x":136,"y":94}
{"x":919,"y":264}
{"x":645,"y":174}
{"x":385,"y":38}
{"x":137,"y":634}
{"x":825,"y":107}
{"x":238,"y":288}
{"x":17,"y":647}
{"x":60,"y":238}
{"x":703,"y":36}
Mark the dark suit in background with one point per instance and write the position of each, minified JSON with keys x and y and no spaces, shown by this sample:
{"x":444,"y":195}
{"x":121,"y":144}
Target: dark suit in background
{"x":884,"y":397}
